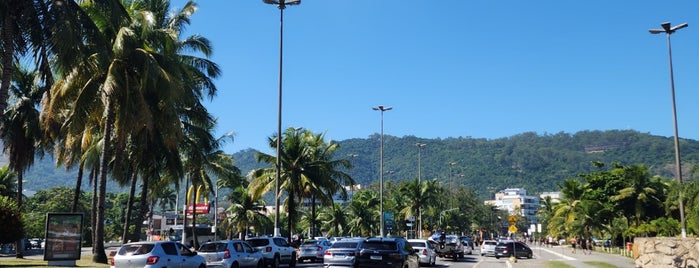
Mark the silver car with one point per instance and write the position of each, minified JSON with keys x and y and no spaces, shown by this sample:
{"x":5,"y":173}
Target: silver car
{"x":313,"y":250}
{"x":231,"y":253}
{"x":343,"y":253}
{"x":156,"y":254}
{"x":425,"y":250}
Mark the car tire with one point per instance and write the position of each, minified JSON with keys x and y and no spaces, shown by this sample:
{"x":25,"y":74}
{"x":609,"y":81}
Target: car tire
{"x":529,"y":256}
{"x":261,"y":263}
{"x":276,"y":261}
{"x":235,"y":265}
{"x":433,"y":261}
{"x":292,"y":263}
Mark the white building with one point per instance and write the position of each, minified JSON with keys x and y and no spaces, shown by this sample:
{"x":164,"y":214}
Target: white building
{"x":515,"y":200}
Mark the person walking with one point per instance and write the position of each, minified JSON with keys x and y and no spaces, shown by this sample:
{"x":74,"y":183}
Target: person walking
{"x":573,"y":243}
{"x":583,"y":245}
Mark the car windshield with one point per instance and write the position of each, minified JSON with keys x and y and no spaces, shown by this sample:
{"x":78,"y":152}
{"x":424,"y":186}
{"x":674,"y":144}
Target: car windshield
{"x":342,"y":244}
{"x":417,"y":244}
{"x":212,"y":247}
{"x":258,"y":242}
{"x":492,"y":243}
{"x":136,"y":249}
{"x":380,"y":245}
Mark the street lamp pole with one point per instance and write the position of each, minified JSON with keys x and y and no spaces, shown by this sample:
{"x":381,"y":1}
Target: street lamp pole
{"x":281,"y":4}
{"x":382,"y":109}
{"x":451,"y":184}
{"x":668,"y":30}
{"x":419,"y":188}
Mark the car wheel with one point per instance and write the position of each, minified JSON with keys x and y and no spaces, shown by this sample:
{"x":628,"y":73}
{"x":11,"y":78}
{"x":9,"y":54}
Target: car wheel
{"x":261,"y":264}
{"x":497,"y":257}
{"x":276,"y":262}
{"x":203,"y":265}
{"x":529,"y":256}
{"x":235,"y":265}
{"x":433,"y":261}
{"x":292,"y":263}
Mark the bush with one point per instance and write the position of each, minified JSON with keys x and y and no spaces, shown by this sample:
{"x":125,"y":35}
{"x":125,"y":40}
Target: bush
{"x":10,"y":216}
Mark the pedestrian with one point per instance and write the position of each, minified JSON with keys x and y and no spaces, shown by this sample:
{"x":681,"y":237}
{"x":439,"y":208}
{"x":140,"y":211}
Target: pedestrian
{"x":583,"y":245}
{"x":573,"y":243}
{"x":590,"y":245}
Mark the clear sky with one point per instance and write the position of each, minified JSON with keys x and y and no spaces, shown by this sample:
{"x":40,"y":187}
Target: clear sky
{"x":451,"y":68}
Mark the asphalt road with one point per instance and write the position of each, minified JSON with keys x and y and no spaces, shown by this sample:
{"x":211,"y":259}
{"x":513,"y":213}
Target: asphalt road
{"x":542,"y":256}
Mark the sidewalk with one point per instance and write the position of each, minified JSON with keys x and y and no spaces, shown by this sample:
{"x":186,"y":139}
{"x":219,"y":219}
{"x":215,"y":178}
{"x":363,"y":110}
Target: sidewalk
{"x":579,"y":259}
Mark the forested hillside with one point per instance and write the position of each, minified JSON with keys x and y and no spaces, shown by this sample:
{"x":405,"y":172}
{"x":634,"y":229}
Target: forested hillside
{"x":535,"y":162}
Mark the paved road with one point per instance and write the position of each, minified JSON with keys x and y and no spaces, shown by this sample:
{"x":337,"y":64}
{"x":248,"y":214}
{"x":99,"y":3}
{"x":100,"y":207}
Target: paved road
{"x":542,"y":255}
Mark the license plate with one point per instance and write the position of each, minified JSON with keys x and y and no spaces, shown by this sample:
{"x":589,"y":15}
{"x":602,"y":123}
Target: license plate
{"x":378,"y":258}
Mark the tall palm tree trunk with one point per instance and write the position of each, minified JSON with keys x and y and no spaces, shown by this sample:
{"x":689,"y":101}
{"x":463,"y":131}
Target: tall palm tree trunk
{"x":18,"y":244}
{"x":78,"y":183}
{"x":93,"y":211}
{"x":129,"y":208}
{"x":142,"y":210}
{"x":100,"y":255}
{"x":8,"y":31}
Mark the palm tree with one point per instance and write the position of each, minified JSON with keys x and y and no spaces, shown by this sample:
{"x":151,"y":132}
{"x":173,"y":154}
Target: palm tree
{"x":8,"y":182}
{"x":567,"y":213}
{"x":245,"y":211}
{"x":642,"y":194}
{"x":364,"y":214}
{"x":19,"y":129}
{"x":307,"y":171}
{"x":334,"y":219}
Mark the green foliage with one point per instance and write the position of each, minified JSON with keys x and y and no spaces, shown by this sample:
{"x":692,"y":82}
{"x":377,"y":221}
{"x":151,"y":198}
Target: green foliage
{"x":13,"y":228}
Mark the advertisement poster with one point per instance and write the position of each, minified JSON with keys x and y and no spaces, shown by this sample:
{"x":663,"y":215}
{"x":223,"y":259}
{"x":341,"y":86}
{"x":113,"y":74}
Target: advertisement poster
{"x":63,"y":236}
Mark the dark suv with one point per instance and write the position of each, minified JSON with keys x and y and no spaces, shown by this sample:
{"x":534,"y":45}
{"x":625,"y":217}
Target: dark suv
{"x":392,"y":252}
{"x":513,"y":248}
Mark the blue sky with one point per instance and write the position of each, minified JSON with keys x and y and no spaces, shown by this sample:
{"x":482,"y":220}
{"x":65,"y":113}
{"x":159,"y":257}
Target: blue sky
{"x":481,"y":69}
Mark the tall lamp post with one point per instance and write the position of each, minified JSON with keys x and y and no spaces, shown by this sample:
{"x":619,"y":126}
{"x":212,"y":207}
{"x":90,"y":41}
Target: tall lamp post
{"x":668,"y":30}
{"x":281,"y":4}
{"x":382,"y":109}
{"x":451,"y":184}
{"x":419,"y":187}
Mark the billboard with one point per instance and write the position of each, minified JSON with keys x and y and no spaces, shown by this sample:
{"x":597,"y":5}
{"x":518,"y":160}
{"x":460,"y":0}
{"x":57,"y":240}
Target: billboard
{"x":63,"y":236}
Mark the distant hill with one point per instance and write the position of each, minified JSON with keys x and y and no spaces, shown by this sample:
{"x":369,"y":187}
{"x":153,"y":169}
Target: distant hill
{"x":535,"y":162}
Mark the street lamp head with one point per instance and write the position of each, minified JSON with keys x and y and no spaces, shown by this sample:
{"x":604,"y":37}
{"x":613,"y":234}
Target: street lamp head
{"x":282,"y":3}
{"x":667,"y":28}
{"x":420,"y":145}
{"x":382,"y":108}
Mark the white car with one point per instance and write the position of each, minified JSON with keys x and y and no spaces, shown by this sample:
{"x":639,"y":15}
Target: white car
{"x":275,"y":250}
{"x":488,"y":247}
{"x":156,"y":254}
{"x":231,"y":253}
{"x":425,"y":250}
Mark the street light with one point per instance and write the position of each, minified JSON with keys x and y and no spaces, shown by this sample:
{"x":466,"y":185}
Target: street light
{"x":382,"y":109}
{"x":667,"y":29}
{"x":451,"y":184}
{"x":419,"y":187}
{"x":281,"y":4}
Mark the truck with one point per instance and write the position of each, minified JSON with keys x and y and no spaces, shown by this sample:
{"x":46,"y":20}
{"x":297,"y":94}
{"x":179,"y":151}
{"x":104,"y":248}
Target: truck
{"x":448,"y":246}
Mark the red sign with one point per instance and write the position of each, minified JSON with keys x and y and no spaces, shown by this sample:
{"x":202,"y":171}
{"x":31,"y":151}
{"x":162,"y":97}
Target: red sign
{"x":202,"y":208}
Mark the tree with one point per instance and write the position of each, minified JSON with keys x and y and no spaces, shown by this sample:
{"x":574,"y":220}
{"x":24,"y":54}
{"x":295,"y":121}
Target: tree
{"x":642,"y":195}
{"x":8,"y":182}
{"x":12,"y":218}
{"x":307,"y":171}
{"x":334,"y":219}
{"x":245,"y":211}
{"x":19,"y":129}
{"x":363,"y":213}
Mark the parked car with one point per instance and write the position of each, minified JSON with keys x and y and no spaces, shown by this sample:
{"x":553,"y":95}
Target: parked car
{"x":467,"y":245}
{"x":382,"y":252}
{"x":156,"y":254}
{"x":343,"y":253}
{"x":424,"y":250}
{"x":513,"y":248}
{"x":275,"y":250}
{"x":231,"y":253}
{"x":312,"y":250}
{"x":488,"y":247}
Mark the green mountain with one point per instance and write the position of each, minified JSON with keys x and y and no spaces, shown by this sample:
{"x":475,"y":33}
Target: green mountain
{"x":528,"y":160}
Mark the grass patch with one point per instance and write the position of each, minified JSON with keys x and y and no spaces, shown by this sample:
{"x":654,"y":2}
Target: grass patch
{"x":600,"y":264}
{"x":84,"y":261}
{"x":557,"y":264}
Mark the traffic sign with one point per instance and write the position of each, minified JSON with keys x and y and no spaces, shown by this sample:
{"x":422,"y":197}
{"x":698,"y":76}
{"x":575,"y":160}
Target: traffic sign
{"x":512,"y":219}
{"x":512,"y":229}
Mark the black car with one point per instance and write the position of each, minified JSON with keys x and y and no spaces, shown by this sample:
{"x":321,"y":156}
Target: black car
{"x":513,"y":248}
{"x":392,"y":252}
